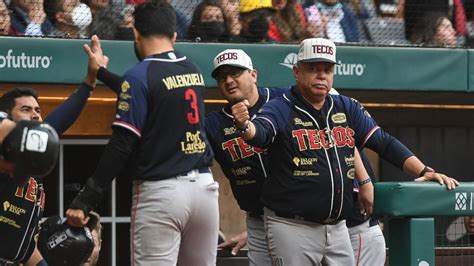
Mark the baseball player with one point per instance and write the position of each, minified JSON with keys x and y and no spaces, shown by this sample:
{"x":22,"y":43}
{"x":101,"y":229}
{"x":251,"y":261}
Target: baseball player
{"x":311,"y":142}
{"x":242,"y":164}
{"x":159,"y":135}
{"x":32,"y":148}
{"x":18,"y":229}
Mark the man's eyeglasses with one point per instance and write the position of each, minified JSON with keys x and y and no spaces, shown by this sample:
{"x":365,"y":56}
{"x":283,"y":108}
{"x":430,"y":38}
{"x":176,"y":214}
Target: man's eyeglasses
{"x":233,"y":73}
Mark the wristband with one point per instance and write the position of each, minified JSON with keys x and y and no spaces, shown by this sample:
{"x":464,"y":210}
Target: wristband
{"x":363,"y":182}
{"x":245,"y":129}
{"x":424,"y":171}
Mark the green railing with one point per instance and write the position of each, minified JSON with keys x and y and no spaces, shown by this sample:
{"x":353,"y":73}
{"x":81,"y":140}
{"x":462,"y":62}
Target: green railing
{"x":412,"y":205}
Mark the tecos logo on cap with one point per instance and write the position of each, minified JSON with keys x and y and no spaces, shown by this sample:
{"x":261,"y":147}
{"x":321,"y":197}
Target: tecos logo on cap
{"x":323,"y":49}
{"x":227,"y":56}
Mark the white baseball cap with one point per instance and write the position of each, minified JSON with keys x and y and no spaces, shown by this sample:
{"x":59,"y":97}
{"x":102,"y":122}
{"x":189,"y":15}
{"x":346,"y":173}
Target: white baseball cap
{"x":317,"y":50}
{"x":232,"y":57}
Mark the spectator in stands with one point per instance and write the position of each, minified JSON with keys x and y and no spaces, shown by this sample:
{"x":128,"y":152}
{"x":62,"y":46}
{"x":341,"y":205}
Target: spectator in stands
{"x":255,"y":16}
{"x":5,"y":21}
{"x":339,"y":21}
{"x":469,"y":224}
{"x":232,"y":14}
{"x":115,"y":21}
{"x":209,"y":24}
{"x":454,"y":10}
{"x":70,"y":18}
{"x":434,"y":28}
{"x":363,"y":8}
{"x":28,"y":17}
{"x":289,"y":22}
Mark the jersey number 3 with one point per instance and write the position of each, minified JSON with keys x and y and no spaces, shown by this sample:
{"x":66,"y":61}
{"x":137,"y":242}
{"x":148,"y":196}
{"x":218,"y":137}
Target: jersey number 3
{"x":193,"y":116}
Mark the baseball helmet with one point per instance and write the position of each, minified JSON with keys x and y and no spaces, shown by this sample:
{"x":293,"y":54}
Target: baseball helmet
{"x":61,"y":244}
{"x":33,"y":147}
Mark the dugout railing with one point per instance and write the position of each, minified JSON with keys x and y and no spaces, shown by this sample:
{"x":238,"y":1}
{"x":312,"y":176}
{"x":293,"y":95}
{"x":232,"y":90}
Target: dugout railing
{"x":412,"y":207}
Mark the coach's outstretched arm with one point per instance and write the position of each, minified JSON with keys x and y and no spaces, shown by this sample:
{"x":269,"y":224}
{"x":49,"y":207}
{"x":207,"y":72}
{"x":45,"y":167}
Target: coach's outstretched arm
{"x":392,"y":150}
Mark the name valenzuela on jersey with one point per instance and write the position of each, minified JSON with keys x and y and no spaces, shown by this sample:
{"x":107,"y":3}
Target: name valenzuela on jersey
{"x":185,"y":80}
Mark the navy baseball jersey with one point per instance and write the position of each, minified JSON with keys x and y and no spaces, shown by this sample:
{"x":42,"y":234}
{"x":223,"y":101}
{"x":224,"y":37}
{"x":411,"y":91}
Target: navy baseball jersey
{"x":21,"y":210}
{"x":242,"y":164}
{"x":311,"y":154}
{"x":22,"y":207}
{"x":161,"y":101}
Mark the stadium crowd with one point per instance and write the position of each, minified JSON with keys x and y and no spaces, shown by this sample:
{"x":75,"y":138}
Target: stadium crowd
{"x":380,"y":22}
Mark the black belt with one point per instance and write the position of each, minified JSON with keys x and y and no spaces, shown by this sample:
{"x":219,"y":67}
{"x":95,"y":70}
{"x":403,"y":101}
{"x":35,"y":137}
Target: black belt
{"x":373,"y":222}
{"x":301,"y":218}
{"x":204,"y":170}
{"x":201,"y":170}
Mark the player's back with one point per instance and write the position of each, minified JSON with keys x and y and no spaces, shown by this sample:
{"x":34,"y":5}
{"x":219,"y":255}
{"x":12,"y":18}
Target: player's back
{"x":166,"y":105}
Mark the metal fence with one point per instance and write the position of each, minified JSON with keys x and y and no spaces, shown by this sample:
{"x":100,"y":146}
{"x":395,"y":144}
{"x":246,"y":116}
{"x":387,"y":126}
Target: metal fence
{"x":358,"y":22}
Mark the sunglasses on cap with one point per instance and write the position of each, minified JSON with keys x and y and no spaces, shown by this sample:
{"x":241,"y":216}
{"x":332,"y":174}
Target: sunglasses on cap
{"x":233,"y":72}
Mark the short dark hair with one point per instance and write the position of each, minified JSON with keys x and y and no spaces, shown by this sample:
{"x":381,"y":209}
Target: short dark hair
{"x":155,"y":18}
{"x":8,"y":100}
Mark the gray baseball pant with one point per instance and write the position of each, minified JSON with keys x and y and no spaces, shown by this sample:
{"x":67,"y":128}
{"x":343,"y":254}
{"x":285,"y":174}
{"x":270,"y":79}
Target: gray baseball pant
{"x":368,"y":244}
{"x":258,"y":253}
{"x":296,"y":242}
{"x":175,"y":221}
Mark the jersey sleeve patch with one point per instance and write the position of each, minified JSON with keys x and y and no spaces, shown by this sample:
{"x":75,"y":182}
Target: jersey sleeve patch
{"x":132,"y":104}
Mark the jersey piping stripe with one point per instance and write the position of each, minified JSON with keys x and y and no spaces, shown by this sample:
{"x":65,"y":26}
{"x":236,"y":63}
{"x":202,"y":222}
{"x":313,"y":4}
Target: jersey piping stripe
{"x":327,"y":158}
{"x":227,"y":114}
{"x":359,"y":249}
{"x":261,"y":164}
{"x":268,"y":95}
{"x":127,"y":126}
{"x":332,"y":142}
{"x":371,"y":132}
{"x":33,"y":213}
{"x":166,"y":60}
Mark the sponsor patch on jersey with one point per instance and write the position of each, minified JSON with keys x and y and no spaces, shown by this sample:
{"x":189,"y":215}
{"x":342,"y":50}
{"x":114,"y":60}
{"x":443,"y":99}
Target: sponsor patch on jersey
{"x":229,"y":130}
{"x":349,"y":160}
{"x":125,"y":86}
{"x":339,"y":118}
{"x":304,"y":161}
{"x":351,"y":173}
{"x":7,"y":206}
{"x":125,"y":96}
{"x":245,"y":182}
{"x":193,"y":143}
{"x":305,"y":173}
{"x":241,"y":171}
{"x":36,"y":141}
{"x":298,"y":121}
{"x":124,"y":106}
{"x":9,"y":222}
